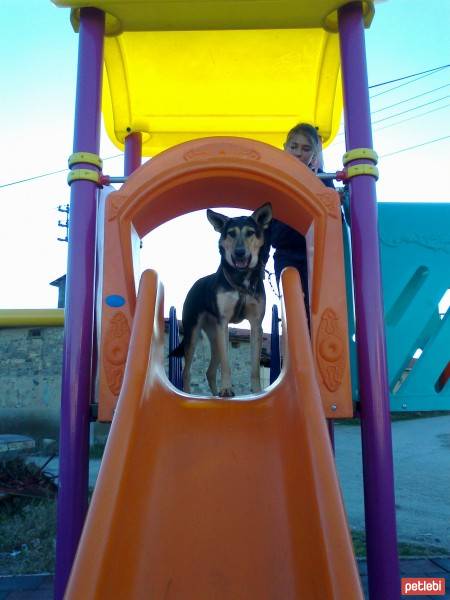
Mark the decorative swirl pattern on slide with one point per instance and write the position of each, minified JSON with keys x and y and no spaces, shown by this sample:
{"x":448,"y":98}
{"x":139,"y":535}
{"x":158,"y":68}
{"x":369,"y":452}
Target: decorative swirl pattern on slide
{"x":116,"y":343}
{"x":330,"y":350}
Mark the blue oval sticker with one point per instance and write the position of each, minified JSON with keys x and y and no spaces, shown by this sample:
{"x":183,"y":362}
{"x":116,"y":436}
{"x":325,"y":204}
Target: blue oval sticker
{"x":115,"y":301}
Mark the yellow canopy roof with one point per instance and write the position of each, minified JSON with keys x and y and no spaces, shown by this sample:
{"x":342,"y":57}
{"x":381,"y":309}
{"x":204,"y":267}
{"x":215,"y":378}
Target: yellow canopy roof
{"x":180,"y":70}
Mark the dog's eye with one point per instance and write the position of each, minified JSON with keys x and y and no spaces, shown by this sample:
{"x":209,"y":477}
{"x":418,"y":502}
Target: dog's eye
{"x":232,"y":233}
{"x":249,"y":233}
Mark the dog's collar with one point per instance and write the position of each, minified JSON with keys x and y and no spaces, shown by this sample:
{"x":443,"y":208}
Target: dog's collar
{"x":251,"y":290}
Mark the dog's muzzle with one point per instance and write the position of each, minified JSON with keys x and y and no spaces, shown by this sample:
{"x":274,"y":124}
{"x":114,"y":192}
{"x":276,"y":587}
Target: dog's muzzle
{"x":240,"y":260}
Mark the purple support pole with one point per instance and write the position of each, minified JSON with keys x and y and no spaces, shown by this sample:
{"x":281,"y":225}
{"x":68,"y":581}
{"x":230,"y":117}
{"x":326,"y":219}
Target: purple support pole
{"x":133,"y":152}
{"x":275,"y":358}
{"x":79,"y":311}
{"x":382,"y":556}
{"x":175,"y":366}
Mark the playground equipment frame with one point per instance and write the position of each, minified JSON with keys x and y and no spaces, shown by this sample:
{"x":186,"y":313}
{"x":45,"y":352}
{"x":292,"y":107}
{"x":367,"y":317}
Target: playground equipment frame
{"x":79,"y":344}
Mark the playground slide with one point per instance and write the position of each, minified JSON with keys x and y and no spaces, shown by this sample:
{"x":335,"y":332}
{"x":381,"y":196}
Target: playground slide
{"x":214,"y":499}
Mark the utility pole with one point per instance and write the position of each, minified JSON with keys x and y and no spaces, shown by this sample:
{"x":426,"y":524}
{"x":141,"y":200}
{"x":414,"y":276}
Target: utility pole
{"x":64,"y":208}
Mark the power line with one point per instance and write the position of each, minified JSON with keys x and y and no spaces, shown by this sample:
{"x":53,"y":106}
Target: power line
{"x":446,"y":137}
{"x":408,"y":82}
{"x":341,"y":133}
{"x":409,"y":99}
{"x":425,"y":114}
{"x":410,"y":109}
{"x":3,"y":185}
{"x":409,"y":76}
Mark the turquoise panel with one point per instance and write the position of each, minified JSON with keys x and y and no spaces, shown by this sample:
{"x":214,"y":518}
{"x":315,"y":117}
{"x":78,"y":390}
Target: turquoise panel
{"x":415,"y":261}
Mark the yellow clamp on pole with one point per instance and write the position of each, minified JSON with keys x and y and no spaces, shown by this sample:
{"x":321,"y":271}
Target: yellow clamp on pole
{"x":356,"y":170}
{"x":84,"y":174}
{"x":358,"y":153}
{"x":85,"y":157}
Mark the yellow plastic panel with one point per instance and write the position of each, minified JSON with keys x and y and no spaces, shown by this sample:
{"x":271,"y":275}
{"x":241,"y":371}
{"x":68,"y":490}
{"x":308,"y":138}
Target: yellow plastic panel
{"x":169,"y":15}
{"x":31,"y":317}
{"x":182,"y":85}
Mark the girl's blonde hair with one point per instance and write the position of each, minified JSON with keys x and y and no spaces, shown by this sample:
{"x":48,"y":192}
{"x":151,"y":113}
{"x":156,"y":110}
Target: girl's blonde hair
{"x":309,"y":131}
{"x":311,"y":134}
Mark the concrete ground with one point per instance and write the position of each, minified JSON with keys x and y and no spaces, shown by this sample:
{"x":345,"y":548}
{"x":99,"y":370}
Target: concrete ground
{"x":422,"y":478}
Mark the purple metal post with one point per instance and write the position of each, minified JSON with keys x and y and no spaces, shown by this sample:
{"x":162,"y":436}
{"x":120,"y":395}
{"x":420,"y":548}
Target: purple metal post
{"x":175,"y":366}
{"x":133,"y":152}
{"x":79,"y":311}
{"x":382,"y":556}
{"x":275,"y":358}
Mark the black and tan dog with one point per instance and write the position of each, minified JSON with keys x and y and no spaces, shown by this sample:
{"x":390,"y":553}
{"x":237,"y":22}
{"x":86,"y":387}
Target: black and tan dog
{"x":234,"y":293}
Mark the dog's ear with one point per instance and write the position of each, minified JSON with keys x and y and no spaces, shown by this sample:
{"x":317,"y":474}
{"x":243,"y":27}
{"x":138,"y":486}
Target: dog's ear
{"x":217,"y":220}
{"x":263,"y":215}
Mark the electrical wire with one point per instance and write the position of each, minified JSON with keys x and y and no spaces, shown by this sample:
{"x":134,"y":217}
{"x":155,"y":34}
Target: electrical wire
{"x":3,"y":185}
{"x":341,"y":133}
{"x":408,"y":76}
{"x":409,"y":82}
{"x":409,"y":99}
{"x":422,"y":75}
{"x":425,"y":114}
{"x":403,"y":112}
{"x":445,"y":137}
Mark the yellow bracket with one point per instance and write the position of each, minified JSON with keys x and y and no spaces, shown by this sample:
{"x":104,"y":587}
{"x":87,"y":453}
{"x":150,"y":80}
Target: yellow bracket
{"x":356,"y":170}
{"x":85,"y":157}
{"x":358,"y":153}
{"x":84,"y":174}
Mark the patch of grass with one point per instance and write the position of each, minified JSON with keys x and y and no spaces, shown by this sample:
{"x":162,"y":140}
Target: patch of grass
{"x":404,"y":548}
{"x":23,"y":477}
{"x":27,"y":518}
{"x":27,"y":535}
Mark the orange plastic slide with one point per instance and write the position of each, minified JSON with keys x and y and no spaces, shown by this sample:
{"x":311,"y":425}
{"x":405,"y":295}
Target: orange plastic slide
{"x":214,"y":499}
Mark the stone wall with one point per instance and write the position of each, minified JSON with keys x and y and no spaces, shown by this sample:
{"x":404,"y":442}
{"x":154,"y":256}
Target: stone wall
{"x":30,"y":377}
{"x":30,"y":380}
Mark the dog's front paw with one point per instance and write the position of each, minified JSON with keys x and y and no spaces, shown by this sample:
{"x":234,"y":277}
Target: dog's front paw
{"x":226,"y":393}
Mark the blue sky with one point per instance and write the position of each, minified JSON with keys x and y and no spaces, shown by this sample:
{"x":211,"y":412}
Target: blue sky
{"x":39,"y":54}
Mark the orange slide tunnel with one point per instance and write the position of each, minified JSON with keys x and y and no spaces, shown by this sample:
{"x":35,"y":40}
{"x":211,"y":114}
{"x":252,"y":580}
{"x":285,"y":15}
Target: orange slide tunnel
{"x":217,"y":172}
{"x":226,"y":499}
